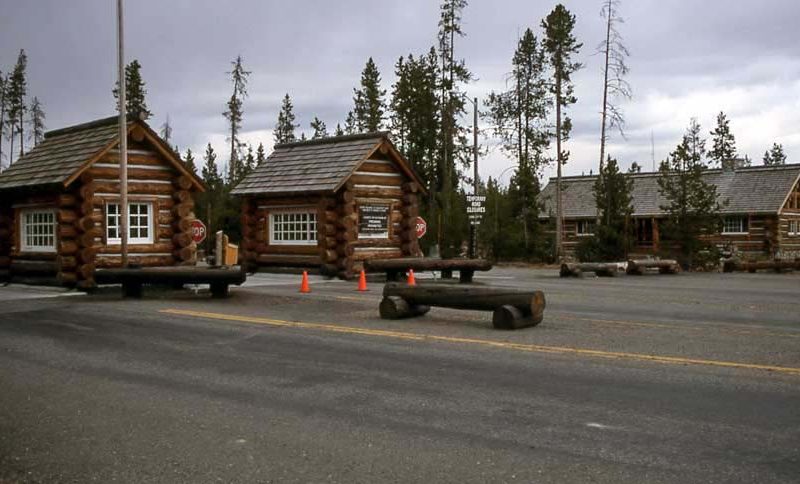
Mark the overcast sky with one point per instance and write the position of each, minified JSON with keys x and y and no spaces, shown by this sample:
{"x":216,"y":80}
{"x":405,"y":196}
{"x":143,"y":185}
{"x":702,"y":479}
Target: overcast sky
{"x":688,"y":59}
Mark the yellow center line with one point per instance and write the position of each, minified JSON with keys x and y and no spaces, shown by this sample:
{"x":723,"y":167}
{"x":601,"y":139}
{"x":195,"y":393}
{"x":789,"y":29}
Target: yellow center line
{"x":484,"y":342}
{"x":732,"y":329}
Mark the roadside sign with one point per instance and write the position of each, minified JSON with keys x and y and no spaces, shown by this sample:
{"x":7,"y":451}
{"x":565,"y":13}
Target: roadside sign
{"x":475,"y":208}
{"x":198,"y":231}
{"x":422,"y":227}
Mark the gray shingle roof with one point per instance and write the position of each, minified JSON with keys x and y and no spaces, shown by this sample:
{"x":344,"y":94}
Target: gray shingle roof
{"x":758,"y":189}
{"x":60,"y":154}
{"x":310,"y":166}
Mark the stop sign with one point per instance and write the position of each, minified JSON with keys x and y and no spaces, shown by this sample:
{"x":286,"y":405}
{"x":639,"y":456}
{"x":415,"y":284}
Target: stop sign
{"x":198,"y":231}
{"x":422,"y":227}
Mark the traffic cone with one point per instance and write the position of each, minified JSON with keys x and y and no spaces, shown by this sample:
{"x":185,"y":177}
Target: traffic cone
{"x":362,"y":281}
{"x":411,"y":280}
{"x":304,"y":285}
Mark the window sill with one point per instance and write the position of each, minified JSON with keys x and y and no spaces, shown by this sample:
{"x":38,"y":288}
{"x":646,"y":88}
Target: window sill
{"x":735,"y":233}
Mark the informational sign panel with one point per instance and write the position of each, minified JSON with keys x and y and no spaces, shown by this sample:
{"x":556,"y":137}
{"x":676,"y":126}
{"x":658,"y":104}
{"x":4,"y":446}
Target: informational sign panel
{"x":199,"y":231}
{"x":373,"y":221}
{"x":422,"y":227}
{"x":476,"y":208}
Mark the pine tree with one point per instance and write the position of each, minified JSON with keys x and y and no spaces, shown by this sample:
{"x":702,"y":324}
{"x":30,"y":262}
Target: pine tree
{"x":261,"y":155}
{"x":415,"y":117}
{"x":320,"y":130}
{"x":723,"y":150}
{"x":350,"y":126}
{"x":248,"y":166}
{"x":454,"y":143}
{"x":36,"y":121}
{"x":210,"y":172}
{"x":613,"y":193}
{"x":166,"y":130}
{"x":235,"y":113}
{"x":615,"y":69}
{"x":284,"y":128}
{"x":17,"y":90}
{"x":692,"y":207}
{"x":519,"y":118}
{"x":368,"y":101}
{"x":3,"y":103}
{"x":188,"y":160}
{"x":775,"y":155}
{"x":338,"y":131}
{"x":135,"y":92}
{"x":560,"y":45}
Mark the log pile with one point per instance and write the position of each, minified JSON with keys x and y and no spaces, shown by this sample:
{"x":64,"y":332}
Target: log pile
{"x":511,"y":309}
{"x":6,"y":237}
{"x":776,"y":265}
{"x":601,"y":269}
{"x":185,"y":250}
{"x":408,"y":225}
{"x":664,"y":266}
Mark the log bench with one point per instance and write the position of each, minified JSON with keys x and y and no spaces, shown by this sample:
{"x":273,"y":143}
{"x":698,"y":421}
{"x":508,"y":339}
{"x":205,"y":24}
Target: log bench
{"x":601,"y":269}
{"x":512,"y":309}
{"x":664,"y":266}
{"x":132,"y":279}
{"x":394,"y":268}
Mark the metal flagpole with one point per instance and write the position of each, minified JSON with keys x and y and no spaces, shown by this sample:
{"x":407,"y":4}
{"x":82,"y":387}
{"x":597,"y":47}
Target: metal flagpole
{"x":123,"y":142}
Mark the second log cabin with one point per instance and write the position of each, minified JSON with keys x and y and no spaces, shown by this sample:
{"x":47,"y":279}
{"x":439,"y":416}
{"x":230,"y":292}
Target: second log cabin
{"x":331,"y":204}
{"x":60,"y":205}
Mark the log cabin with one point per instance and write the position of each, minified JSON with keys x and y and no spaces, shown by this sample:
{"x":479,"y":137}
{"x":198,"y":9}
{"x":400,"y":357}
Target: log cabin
{"x":60,"y":213}
{"x":761,"y":218}
{"x":331,"y":204}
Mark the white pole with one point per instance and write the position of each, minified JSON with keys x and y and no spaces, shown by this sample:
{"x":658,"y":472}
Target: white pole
{"x":123,"y":142}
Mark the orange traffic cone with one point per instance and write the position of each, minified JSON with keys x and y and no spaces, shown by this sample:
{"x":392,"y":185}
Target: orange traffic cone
{"x":411,"y":280}
{"x":304,"y":285}
{"x":362,"y":281}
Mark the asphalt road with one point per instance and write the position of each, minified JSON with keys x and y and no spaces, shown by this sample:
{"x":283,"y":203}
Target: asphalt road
{"x":688,"y":378}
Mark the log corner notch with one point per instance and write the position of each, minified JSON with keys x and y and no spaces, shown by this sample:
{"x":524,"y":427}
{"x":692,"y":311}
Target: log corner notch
{"x":70,"y":242}
{"x":345,"y":230}
{"x":511,"y":309}
{"x":184,"y":248}
{"x":6,"y":236}
{"x":664,"y":266}
{"x":408,"y":226}
{"x":249,"y":232}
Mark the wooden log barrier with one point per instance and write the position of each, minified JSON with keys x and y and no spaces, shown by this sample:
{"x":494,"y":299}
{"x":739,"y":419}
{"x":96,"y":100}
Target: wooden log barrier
{"x":392,"y":267}
{"x":528,"y":306}
{"x":394,"y":307}
{"x":776,"y":265}
{"x":601,"y":269}
{"x":664,"y":266}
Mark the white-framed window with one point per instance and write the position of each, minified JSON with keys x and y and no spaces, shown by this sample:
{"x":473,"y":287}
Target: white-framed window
{"x":140,"y":223}
{"x":585,"y":228}
{"x":38,"y":230}
{"x":293,"y":227}
{"x":736,"y":224}
{"x":794,"y":228}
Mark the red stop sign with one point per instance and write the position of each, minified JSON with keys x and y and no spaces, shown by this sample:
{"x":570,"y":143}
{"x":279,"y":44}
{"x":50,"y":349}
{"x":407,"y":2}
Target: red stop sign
{"x":198,"y":231}
{"x":422,"y":227}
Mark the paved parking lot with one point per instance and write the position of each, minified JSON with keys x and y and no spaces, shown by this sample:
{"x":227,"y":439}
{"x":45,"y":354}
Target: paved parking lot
{"x":694,"y":377}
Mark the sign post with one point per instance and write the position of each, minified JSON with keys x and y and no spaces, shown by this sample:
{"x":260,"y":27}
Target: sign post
{"x":199,"y":231}
{"x":475,"y":211}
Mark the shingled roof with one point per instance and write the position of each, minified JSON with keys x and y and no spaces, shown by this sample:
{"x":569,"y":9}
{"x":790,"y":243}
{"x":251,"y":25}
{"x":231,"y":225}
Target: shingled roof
{"x":758,"y":189}
{"x":316,"y":166}
{"x":66,"y":152}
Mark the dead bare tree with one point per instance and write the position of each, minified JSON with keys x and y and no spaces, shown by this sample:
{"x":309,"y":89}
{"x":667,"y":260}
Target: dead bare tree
{"x":615,"y":87}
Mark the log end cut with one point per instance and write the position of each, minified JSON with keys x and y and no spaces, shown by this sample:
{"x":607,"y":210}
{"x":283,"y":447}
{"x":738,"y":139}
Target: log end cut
{"x":393,"y":307}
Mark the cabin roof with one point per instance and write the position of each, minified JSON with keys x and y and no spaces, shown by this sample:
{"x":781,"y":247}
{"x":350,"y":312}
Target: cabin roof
{"x":318,"y":166}
{"x":757,"y":189}
{"x":65,"y":153}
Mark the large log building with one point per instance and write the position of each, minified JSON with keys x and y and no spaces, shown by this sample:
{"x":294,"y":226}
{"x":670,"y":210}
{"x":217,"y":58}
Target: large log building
{"x":761,"y":217}
{"x":59,"y":205}
{"x":331,"y":204}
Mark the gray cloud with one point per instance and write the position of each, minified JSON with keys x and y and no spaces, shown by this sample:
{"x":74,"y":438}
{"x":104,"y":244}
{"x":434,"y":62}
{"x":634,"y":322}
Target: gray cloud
{"x":688,"y":59}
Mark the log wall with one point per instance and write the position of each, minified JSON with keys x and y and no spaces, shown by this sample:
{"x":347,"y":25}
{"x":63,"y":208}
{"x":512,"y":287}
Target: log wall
{"x":338,"y":251}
